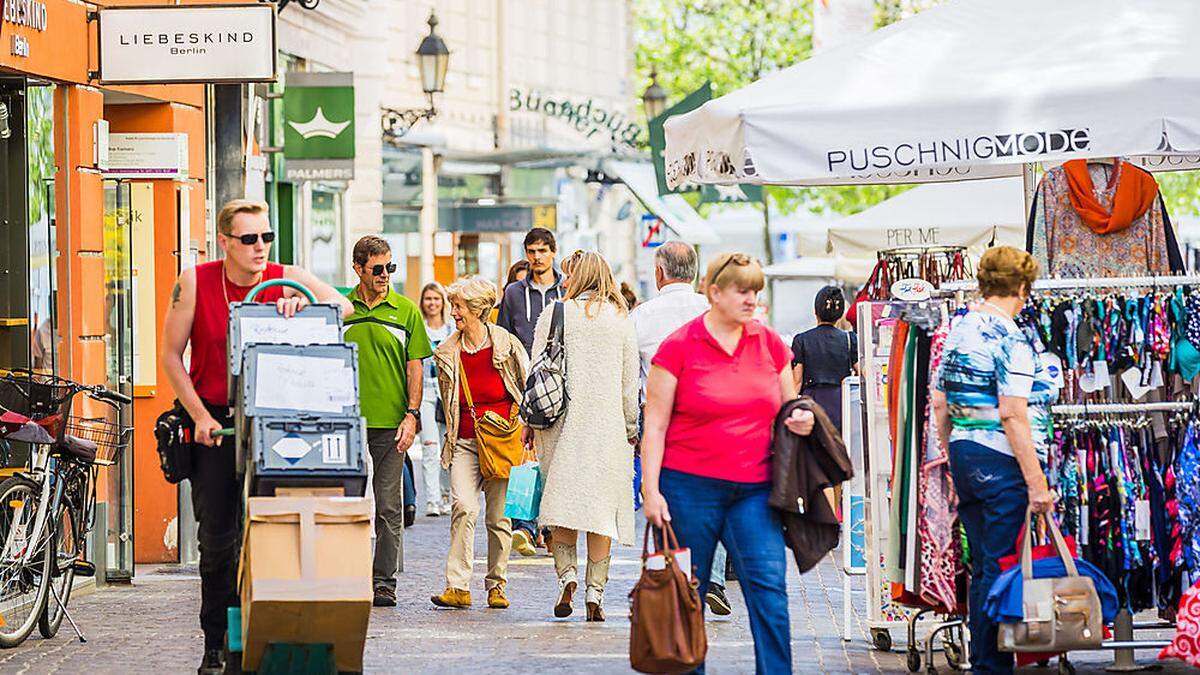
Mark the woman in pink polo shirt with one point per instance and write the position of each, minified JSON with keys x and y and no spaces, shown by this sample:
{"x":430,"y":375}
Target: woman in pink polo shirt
{"x":712,"y":394}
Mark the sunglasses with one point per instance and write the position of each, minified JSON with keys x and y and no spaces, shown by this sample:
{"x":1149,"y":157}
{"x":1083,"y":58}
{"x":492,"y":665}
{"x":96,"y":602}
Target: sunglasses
{"x":738,"y":259}
{"x":252,"y":239}
{"x":377,"y":270}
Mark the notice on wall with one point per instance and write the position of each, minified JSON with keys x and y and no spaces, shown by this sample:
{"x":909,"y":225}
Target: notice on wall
{"x":145,"y":314}
{"x":146,"y":156}
{"x":303,"y":383}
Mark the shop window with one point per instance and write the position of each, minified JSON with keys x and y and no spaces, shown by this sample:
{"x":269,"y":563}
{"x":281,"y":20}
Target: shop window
{"x":43,"y":319}
{"x":468,"y":254}
{"x":325,"y":253}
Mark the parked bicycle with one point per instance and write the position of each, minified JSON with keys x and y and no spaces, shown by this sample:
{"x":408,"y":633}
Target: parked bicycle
{"x":48,"y":509}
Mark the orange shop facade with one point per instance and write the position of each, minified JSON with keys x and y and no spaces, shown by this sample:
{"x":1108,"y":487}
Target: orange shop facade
{"x":91,"y":243}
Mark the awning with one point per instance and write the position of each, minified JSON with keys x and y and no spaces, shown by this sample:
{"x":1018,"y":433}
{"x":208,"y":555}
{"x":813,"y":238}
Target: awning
{"x":676,"y":213}
{"x":803,"y":268}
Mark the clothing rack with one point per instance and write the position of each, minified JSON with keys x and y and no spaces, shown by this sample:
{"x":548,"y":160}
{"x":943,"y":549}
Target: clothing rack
{"x":952,"y":287}
{"x":1116,"y":408}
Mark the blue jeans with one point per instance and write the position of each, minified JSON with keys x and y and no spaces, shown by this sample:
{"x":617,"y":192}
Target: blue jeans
{"x":992,"y":498}
{"x":530,"y":527}
{"x":717,"y":576}
{"x":707,"y":510}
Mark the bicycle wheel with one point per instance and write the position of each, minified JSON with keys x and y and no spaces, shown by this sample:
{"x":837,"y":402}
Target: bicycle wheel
{"x":24,"y":571}
{"x":68,"y":540}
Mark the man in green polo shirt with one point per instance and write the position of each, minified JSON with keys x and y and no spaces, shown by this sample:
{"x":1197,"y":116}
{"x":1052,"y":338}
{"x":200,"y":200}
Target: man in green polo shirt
{"x":391,"y":339}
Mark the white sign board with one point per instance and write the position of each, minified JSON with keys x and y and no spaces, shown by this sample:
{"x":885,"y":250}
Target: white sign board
{"x":157,"y":45}
{"x":147,"y":156}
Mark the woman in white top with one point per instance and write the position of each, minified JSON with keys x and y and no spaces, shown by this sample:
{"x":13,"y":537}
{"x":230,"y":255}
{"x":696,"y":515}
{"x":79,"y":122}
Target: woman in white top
{"x":587,"y":456}
{"x":435,"y":310}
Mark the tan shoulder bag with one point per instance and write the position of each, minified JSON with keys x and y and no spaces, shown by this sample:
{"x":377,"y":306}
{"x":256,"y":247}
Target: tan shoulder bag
{"x":497,"y":438}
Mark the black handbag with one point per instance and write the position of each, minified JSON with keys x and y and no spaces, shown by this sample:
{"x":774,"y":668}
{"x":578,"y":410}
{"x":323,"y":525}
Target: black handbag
{"x":173,"y":431}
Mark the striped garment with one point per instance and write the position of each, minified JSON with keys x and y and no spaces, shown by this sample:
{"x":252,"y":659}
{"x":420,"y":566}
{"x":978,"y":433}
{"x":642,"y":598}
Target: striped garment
{"x":987,"y":357}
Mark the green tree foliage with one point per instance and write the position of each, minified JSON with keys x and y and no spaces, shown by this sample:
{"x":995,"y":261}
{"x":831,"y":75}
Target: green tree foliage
{"x":731,"y":44}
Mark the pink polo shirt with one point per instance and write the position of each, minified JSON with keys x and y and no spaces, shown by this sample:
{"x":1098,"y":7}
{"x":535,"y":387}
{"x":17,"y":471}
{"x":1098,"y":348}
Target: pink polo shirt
{"x":724,"y":405}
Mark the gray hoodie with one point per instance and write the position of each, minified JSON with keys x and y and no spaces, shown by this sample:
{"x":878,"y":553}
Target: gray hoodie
{"x":523,"y":304}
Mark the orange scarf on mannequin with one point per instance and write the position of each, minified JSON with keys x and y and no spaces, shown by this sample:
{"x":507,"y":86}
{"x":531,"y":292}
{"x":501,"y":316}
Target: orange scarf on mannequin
{"x":1135,"y":194}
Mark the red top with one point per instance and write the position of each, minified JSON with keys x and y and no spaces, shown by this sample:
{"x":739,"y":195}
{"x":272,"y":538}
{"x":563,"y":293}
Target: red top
{"x":724,"y":405}
{"x":487,"y":390}
{"x":210,"y":327}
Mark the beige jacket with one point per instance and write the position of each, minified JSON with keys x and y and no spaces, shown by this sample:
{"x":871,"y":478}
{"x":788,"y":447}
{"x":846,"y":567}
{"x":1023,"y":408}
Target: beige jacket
{"x":510,"y":359}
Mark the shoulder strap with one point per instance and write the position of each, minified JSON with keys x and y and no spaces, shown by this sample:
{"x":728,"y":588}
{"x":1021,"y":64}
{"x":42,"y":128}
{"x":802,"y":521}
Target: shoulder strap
{"x":462,"y":376}
{"x":556,"y":323}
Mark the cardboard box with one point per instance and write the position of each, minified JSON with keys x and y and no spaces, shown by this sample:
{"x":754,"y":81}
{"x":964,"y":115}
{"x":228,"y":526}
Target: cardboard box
{"x":306,"y":575}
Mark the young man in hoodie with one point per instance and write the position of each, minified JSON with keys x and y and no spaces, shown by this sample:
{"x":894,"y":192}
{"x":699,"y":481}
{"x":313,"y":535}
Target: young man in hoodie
{"x":523,"y":303}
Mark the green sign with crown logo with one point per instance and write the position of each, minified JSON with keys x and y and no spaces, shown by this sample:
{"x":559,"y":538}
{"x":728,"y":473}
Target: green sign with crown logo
{"x":318,"y":126}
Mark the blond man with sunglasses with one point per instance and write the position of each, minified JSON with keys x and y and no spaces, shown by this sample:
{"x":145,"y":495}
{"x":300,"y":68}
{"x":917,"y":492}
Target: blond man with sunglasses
{"x":199,"y":316}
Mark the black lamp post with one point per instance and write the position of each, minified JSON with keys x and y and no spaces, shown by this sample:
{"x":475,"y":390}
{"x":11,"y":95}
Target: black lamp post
{"x":654,"y":100}
{"x":433,"y":60}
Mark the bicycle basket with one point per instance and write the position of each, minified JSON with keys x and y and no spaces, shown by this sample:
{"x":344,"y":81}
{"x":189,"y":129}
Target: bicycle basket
{"x":34,"y":396}
{"x":111,"y":439}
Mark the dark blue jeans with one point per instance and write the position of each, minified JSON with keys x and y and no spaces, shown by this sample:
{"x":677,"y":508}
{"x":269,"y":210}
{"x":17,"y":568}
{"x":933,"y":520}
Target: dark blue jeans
{"x":992,"y":498}
{"x":707,"y":510}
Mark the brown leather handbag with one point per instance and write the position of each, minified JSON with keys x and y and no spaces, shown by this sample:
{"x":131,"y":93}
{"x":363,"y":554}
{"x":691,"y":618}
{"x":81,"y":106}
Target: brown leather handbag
{"x":498,"y":439}
{"x":666,"y":619}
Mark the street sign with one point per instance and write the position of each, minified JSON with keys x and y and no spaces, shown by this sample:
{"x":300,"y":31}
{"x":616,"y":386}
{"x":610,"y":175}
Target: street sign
{"x":318,"y":126}
{"x":653,"y":231}
{"x":186,"y":43}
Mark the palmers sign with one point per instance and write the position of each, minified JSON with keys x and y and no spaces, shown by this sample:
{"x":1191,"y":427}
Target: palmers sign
{"x":193,"y":43}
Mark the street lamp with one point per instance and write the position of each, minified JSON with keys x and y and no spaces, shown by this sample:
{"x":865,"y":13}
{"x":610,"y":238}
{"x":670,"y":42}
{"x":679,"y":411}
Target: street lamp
{"x":654,"y":100}
{"x":433,"y":60}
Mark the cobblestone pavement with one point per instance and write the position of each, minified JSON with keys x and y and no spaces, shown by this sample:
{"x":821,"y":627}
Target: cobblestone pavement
{"x":151,"y":626}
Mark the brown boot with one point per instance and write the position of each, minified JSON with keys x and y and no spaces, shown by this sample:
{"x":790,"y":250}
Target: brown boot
{"x":597,"y":579}
{"x":566,"y":564}
{"x":454,"y":598}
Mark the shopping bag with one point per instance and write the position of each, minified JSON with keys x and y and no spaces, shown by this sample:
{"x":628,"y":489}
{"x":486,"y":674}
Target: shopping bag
{"x":666,"y":618}
{"x":1186,"y":644}
{"x":1060,"y":613}
{"x":524,"y":497}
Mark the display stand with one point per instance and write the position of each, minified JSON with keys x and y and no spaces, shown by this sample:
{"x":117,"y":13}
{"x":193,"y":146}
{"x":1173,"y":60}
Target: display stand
{"x":854,"y":556}
{"x":875,"y":323}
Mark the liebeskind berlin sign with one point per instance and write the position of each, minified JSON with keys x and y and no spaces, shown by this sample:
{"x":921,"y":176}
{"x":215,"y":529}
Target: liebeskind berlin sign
{"x":187,"y":43}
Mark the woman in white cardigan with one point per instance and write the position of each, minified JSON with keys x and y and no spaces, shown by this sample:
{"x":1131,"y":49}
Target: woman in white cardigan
{"x":587,"y":456}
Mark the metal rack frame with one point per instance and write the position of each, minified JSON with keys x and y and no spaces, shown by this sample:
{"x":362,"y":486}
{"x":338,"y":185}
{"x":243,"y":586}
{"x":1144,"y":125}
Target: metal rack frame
{"x":951,"y":287}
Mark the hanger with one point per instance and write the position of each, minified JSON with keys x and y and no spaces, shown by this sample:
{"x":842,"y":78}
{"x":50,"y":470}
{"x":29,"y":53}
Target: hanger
{"x":1111,"y":161}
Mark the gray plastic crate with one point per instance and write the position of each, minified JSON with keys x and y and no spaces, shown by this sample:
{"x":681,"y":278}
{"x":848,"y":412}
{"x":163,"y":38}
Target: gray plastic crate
{"x":290,"y":381}
{"x":307,"y":452}
{"x":257,"y":323}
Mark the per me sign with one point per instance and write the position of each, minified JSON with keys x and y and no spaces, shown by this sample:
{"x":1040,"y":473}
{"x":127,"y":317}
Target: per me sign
{"x":218,"y":43}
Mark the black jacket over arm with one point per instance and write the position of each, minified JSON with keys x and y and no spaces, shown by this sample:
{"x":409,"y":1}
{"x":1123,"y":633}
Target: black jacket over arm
{"x":803,"y":467}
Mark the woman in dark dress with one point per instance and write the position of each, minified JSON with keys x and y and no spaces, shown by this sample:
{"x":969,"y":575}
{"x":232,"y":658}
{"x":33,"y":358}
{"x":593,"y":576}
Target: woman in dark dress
{"x":823,"y":356}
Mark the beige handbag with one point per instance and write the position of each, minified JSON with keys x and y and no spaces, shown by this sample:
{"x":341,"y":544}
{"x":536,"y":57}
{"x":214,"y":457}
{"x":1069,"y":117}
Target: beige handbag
{"x":1062,"y":613}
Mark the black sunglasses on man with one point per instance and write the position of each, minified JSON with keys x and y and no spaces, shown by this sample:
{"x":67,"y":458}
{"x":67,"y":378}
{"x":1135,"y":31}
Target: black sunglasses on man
{"x":252,"y":238}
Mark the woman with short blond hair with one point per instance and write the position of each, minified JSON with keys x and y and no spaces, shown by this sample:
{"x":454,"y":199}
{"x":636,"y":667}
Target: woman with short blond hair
{"x":493,"y":362}
{"x":714,"y":389}
{"x":587,"y":455}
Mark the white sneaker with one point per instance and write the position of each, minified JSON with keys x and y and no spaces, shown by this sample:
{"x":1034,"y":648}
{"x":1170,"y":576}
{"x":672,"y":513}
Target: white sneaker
{"x":432,"y":510}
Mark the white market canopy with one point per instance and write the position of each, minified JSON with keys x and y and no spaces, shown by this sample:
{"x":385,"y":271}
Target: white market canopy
{"x":967,"y":89}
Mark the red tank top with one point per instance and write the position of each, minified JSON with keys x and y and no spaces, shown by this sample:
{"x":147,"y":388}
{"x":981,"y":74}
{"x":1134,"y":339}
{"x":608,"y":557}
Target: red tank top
{"x":210,"y":327}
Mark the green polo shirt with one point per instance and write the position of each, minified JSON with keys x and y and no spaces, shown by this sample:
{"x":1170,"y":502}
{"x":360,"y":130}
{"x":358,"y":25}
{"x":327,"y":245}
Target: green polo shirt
{"x":388,"y":336}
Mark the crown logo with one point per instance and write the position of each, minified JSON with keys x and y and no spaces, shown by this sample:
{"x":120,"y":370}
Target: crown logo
{"x":319,"y":125}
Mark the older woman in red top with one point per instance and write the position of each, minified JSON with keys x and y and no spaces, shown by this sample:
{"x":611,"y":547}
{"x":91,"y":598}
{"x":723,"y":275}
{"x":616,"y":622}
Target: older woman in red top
{"x":712,"y":394}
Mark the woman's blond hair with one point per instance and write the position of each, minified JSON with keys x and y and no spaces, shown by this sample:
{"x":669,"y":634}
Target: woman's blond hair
{"x":477,"y":293}
{"x":591,"y":274}
{"x":1005,"y":272}
{"x":440,"y":290}
{"x":734,"y":269}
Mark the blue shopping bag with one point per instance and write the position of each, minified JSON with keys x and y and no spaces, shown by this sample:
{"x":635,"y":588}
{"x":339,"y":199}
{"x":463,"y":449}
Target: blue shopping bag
{"x":524,"y":497}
